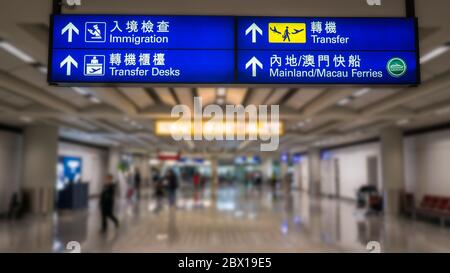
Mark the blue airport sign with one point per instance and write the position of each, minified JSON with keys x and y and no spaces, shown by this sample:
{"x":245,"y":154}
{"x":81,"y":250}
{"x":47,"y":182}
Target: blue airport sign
{"x":327,"y":50}
{"x":332,"y":34}
{"x":142,"y":49}
{"x":326,"y":67}
{"x":143,"y":66}
{"x":232,"y":50}
{"x":143,"y":32}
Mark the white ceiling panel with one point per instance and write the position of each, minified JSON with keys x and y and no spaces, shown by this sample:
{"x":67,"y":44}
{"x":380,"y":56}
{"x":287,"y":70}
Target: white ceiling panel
{"x":276,"y":96}
{"x":257,"y":96}
{"x":302,"y":96}
{"x":375,"y":95}
{"x":165,"y":95}
{"x":184,"y":95}
{"x":236,"y":95}
{"x":208,"y":95}
{"x":12,"y":99}
{"x":138,"y":96}
{"x":429,"y":100}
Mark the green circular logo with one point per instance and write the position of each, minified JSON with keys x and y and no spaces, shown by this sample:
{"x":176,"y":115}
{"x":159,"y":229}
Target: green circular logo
{"x":396,"y":67}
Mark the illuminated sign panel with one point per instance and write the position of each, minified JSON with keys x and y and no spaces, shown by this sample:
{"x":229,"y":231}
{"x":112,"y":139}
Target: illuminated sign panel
{"x":143,"y":49}
{"x":215,"y":129}
{"x":327,"y":51}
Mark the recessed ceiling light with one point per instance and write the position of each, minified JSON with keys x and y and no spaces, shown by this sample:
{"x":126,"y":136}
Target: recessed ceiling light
{"x":80,"y":91}
{"x":16,"y":52}
{"x":434,"y":53}
{"x":42,"y":69}
{"x":26,"y":119}
{"x":221,"y":91}
{"x":361,"y":92}
{"x":344,"y":101}
{"x":403,"y":121}
{"x":95,"y":100}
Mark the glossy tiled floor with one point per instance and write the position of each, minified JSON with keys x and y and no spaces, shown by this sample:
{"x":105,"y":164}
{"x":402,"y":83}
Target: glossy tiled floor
{"x":238,"y":220}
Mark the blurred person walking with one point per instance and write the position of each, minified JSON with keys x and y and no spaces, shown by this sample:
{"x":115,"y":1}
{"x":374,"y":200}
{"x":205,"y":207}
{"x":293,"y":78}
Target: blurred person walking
{"x":137,"y":183}
{"x":15,"y":207}
{"x":156,"y":177}
{"x":107,"y":203}
{"x":172,"y":186}
{"x":158,"y":192}
{"x":257,"y":181}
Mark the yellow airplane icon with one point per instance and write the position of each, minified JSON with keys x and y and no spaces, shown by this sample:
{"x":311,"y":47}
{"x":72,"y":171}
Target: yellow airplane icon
{"x":294,"y":33}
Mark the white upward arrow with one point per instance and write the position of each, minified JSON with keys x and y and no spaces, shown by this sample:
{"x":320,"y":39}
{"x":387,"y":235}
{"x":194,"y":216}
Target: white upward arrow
{"x":68,"y":61}
{"x":70,"y":28}
{"x":253,"y":62}
{"x":253,"y":28}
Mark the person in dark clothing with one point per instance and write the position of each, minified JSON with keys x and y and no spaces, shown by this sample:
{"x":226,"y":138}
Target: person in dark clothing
{"x":172,"y":186}
{"x":137,"y":183}
{"x":14,"y":207}
{"x":258,"y":183}
{"x":159,"y":194}
{"x":107,"y":203}
{"x":156,"y":177}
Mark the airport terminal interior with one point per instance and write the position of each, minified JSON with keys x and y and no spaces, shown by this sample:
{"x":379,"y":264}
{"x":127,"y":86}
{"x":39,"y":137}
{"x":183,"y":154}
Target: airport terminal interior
{"x":358,"y":167}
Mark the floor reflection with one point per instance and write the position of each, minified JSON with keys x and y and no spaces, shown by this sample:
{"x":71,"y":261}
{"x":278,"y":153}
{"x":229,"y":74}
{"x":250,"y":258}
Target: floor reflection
{"x":239,"y":219}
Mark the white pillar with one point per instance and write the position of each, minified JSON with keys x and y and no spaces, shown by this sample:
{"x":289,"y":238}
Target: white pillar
{"x":392,"y":168}
{"x":114,"y":155}
{"x":145,"y":170}
{"x":314,"y":171}
{"x":40,"y":153}
{"x":113,"y":161}
{"x":284,"y":168}
{"x":305,"y":173}
{"x":267,"y":168}
{"x":298,"y":176}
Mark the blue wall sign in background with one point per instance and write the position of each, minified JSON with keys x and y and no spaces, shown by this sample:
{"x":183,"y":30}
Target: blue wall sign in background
{"x":68,"y":170}
{"x":233,"y":50}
